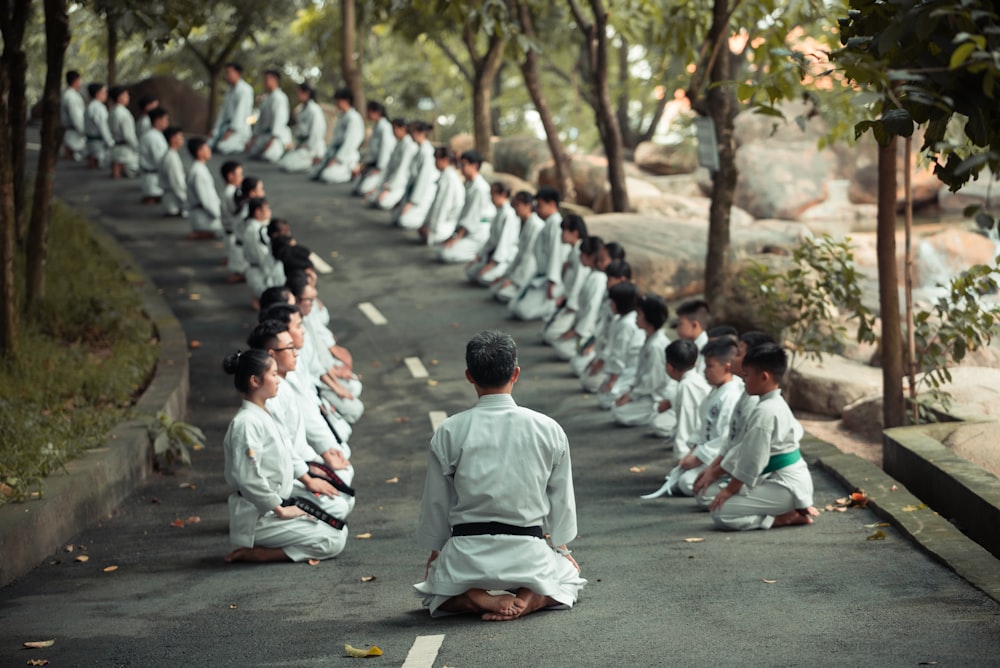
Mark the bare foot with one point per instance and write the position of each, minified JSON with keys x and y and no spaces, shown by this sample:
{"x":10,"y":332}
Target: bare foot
{"x":796,"y":517}
{"x":492,"y":606}
{"x":528,"y":601}
{"x":256,"y":555}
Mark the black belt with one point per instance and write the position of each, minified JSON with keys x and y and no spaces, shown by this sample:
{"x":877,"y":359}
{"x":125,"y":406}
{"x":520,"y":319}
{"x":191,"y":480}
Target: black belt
{"x":313,"y":509}
{"x":324,"y":472}
{"x":495,"y":529}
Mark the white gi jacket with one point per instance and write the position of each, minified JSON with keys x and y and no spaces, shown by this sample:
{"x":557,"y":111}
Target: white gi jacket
{"x":522,"y":269}
{"x":71,"y":113}
{"x":716,"y":416}
{"x":477,"y":211}
{"x":449,"y":198}
{"x":237,"y":106}
{"x":381,"y":144}
{"x":273,"y":120}
{"x":172,"y":178}
{"x":202,"y":193}
{"x":692,"y":390}
{"x":348,"y":134}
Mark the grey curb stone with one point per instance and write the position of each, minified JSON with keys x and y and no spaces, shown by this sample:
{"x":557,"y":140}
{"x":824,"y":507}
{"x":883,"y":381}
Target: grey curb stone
{"x":96,"y":483}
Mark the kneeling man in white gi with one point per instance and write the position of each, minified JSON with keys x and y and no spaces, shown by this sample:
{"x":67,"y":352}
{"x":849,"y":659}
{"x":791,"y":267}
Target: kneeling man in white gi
{"x":499,"y":479}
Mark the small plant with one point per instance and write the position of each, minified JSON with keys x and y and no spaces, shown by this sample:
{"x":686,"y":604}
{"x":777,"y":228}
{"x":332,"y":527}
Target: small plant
{"x":171,"y":440}
{"x":803,"y":305}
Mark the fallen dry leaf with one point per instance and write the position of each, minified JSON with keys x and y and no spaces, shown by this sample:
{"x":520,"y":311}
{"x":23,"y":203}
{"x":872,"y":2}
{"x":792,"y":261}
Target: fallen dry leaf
{"x":194,"y":519}
{"x":82,"y":558}
{"x":38,"y":662}
{"x":177,"y":523}
{"x":638,"y":469}
{"x":110,"y":569}
{"x":770,"y":582}
{"x":313,"y":562}
{"x":434,"y":362}
{"x":194,"y":296}
{"x":232,"y":606}
{"x":876,"y":525}
{"x":393,"y":480}
{"x":910,"y":509}
{"x":840,"y":509}
{"x":198,"y":446}
{"x":39,"y":644}
{"x":69,"y":548}
{"x":694,"y":540}
{"x":363,"y":536}
{"x":828,"y":507}
{"x":842,"y":501}
{"x":401,"y":419}
{"x":893,"y":488}
{"x":878,"y":535}
{"x":368,"y":578}
{"x":431,"y":382}
{"x":188,"y":485}
{"x":194,"y":344}
{"x":362,"y":653}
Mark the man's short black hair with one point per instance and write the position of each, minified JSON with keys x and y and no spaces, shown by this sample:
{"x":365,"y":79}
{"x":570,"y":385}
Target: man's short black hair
{"x":170,"y":131}
{"x":156,"y":114}
{"x":344,"y":94}
{"x":473,"y":156}
{"x":682,"y":354}
{"x":695,"y":310}
{"x":236,"y":66}
{"x":93,"y":89}
{"x":720,"y":331}
{"x":754,"y":338}
{"x":273,"y":73}
{"x":769,"y":357}
{"x":276,"y":294}
{"x":71,"y":77}
{"x":491,"y":358}
{"x":282,"y":312}
{"x":655,"y":310}
{"x":625,"y":297}
{"x":723,"y":349}
{"x":619,"y":269}
{"x":548,"y":194}
{"x":264,"y":334}
{"x":194,"y":145}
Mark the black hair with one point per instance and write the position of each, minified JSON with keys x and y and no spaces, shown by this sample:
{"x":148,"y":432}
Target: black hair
{"x":419,"y":126}
{"x":170,"y":131}
{"x":682,"y":355}
{"x":720,"y":331}
{"x":255,"y":204}
{"x":574,"y":223}
{"x":473,"y":156}
{"x":281,"y":311}
{"x":115,"y":92}
{"x":399,"y":123}
{"x":548,"y":194}
{"x":344,"y":94}
{"x":274,"y":73}
{"x":297,"y":258}
{"x":280,"y":244}
{"x":276,"y":294}
{"x":522,"y":197}
{"x":194,"y":145}
{"x":245,"y":364}
{"x":768,"y":357}
{"x":500,"y":188}
{"x":695,"y":310}
{"x":619,"y":269}
{"x":147,"y":100}
{"x":375,"y":106}
{"x":655,"y":310}
{"x":591,"y":246}
{"x":615,"y":251}
{"x":264,"y":334}
{"x":236,"y":66}
{"x":754,"y":338}
{"x":156,"y":114}
{"x":491,"y":358}
{"x":277,"y":227}
{"x":72,"y":77}
{"x":297,"y":282}
{"x":625,"y":297}
{"x":228,"y":167}
{"x":242,"y":194}
{"x":93,"y":89}
{"x":723,"y":349}
{"x":306,"y":88}
{"x":444,"y":152}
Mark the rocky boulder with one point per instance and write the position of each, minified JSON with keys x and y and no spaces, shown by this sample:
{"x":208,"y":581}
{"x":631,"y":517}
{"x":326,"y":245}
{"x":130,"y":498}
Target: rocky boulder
{"x":794,"y":180}
{"x":664,"y":160}
{"x":826,"y":387}
{"x":187,"y":107}
{"x":515,"y":183}
{"x":589,"y":174}
{"x":461,"y":143}
{"x":523,"y":156}
{"x":750,"y":127}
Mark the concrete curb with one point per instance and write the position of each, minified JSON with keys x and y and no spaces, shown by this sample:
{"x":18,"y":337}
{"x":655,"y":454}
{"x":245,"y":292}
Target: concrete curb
{"x":934,"y":534}
{"x":95,"y":484}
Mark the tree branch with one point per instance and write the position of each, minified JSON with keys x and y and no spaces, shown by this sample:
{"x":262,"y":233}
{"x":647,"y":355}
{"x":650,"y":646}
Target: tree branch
{"x":450,"y":55}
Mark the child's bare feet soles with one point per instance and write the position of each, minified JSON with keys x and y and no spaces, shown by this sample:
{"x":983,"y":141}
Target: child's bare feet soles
{"x":256,"y":555}
{"x":796,"y":517}
{"x":501,"y":606}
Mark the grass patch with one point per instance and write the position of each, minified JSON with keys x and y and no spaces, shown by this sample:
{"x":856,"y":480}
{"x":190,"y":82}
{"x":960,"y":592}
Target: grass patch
{"x":86,"y":353}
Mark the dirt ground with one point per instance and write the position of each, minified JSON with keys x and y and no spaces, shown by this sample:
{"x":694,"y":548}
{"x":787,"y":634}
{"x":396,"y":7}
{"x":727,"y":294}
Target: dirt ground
{"x":830,"y":430}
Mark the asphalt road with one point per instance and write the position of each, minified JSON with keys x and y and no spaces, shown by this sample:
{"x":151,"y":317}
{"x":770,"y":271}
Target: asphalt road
{"x":822,"y":595}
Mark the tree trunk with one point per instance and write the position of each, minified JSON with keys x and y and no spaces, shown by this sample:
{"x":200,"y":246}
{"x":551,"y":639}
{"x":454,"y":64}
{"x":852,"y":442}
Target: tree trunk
{"x":8,"y":227}
{"x":485,"y":70}
{"x":495,"y":110}
{"x":529,"y":70}
{"x":893,"y":414}
{"x":56,"y":41}
{"x":721,"y":108}
{"x":111,"y":21}
{"x":16,"y":20}
{"x":624,"y":96}
{"x":348,"y":56}
{"x":214,"y":71}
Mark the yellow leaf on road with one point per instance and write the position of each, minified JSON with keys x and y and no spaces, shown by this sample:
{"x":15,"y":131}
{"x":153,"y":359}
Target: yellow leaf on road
{"x":910,"y":509}
{"x":363,"y":536}
{"x":38,"y":662}
{"x":878,"y":535}
{"x":362,"y":653}
{"x":638,"y":469}
{"x":110,"y":569}
{"x":367,"y":578}
{"x":393,"y":480}
{"x":694,"y":540}
{"x":770,"y":582}
{"x":82,"y":558}
{"x":39,"y":644}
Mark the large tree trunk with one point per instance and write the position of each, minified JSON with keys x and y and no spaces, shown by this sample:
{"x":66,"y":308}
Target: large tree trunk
{"x":722,"y":110}
{"x":56,"y":41}
{"x":13,"y":34}
{"x":529,"y":70}
{"x":624,"y":96}
{"x":111,"y":22}
{"x":485,"y":69}
{"x":10,"y":15}
{"x":893,"y":413}
{"x":348,"y":55}
{"x":214,"y":72}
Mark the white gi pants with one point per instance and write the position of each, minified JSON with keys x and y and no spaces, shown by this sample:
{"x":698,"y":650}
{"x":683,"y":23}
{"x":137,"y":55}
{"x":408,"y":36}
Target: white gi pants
{"x":234,"y":143}
{"x":335,"y":172}
{"x":172,"y":205}
{"x":127,"y":157}
{"x":97,"y":149}
{"x":150,"y":183}
{"x":636,"y":413}
{"x":463,"y":250}
{"x":296,"y":162}
{"x":202,"y":221}
{"x":755,"y":508}
{"x":390,"y":199}
{"x":413,"y":217}
{"x":75,"y":142}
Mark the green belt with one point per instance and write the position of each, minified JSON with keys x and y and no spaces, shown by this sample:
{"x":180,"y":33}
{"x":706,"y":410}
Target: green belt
{"x":781,"y":461}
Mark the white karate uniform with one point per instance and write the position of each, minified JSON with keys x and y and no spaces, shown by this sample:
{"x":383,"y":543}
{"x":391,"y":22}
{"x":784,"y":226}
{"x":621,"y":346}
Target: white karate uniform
{"x":498,"y":462}
{"x":420,"y":190}
{"x":477,"y":213}
{"x":152,"y":148}
{"x":271,"y":133}
{"x":500,"y":247}
{"x":125,"y":152}
{"x":573,"y":276}
{"x":313,"y":363}
{"x":396,"y":177}
{"x":771,"y":430}
{"x":259,"y":466}
{"x":310,"y":139}
{"x":621,"y":360}
{"x":142,"y":125}
{"x":715,"y":415}
{"x":174,"y":183}
{"x":71,"y":112}
{"x":321,"y":339}
{"x":737,"y":428}
{"x":344,"y":151}
{"x":590,"y":297}
{"x":522,"y":268}
{"x":683,"y":413}
{"x":587,"y":353}
{"x":550,"y":253}
{"x":234,"y":225}
{"x":700,"y":341}
{"x":652,"y":384}
{"x":204,"y":206}
{"x":449,"y":198}
{"x":234,"y":116}
{"x":287,"y":412}
{"x":99,"y":139}
{"x":380,"y":147}
{"x":263,"y":271}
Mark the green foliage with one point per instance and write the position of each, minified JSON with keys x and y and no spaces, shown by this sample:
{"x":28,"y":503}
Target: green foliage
{"x":804,"y":304}
{"x":957,"y":323}
{"x":88,"y":350}
{"x":171,"y":440}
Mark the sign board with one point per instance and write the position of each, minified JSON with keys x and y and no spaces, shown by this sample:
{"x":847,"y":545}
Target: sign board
{"x":708,"y":147}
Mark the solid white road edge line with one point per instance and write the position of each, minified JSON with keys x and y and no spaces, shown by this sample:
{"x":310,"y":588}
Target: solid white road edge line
{"x":423,"y":652}
{"x":372,"y":313}
{"x":416,"y":367}
{"x":437,"y":417}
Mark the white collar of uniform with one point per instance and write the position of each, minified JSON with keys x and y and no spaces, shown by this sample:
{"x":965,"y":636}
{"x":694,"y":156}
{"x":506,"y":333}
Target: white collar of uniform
{"x":496,"y":400}
{"x":773,"y":394}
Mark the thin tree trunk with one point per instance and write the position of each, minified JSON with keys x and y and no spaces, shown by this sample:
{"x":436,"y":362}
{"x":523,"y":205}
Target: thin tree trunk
{"x":111,"y":22}
{"x":485,"y":69}
{"x":348,"y":56}
{"x":911,"y":342}
{"x":893,"y":414}
{"x":56,"y":41}
{"x":529,"y":70}
{"x":495,"y":97}
{"x":624,"y":96}
{"x":8,"y":227}
{"x":214,"y":70}
{"x":721,"y":108}
{"x":18,"y":102}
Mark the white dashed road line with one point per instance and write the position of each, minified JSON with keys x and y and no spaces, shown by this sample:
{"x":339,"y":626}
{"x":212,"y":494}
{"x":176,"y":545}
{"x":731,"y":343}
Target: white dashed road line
{"x":423,"y":652}
{"x":319,"y":264}
{"x":416,"y":367}
{"x":372,"y":313}
{"x":437,"y":417}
